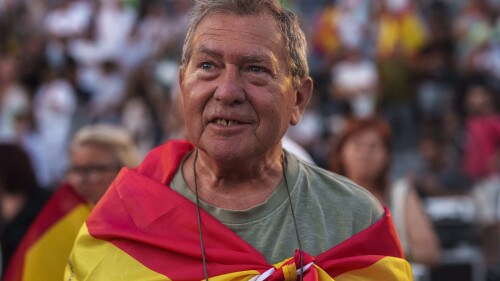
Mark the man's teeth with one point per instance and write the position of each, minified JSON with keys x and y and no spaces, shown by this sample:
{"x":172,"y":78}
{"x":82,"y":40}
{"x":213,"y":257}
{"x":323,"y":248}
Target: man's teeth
{"x":225,"y":122}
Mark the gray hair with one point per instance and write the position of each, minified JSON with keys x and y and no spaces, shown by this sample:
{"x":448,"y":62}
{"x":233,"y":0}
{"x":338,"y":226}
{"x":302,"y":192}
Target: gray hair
{"x":295,"y":42}
{"x":113,"y":138}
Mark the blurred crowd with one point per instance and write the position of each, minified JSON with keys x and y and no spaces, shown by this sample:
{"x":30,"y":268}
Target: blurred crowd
{"x":65,"y":64}
{"x":430,"y":69}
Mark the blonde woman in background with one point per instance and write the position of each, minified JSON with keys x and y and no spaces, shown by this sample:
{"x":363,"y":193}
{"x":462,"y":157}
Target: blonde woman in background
{"x":97,"y":153}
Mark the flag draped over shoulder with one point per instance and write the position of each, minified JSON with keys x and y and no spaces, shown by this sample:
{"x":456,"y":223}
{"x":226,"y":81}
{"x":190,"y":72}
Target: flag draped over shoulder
{"x":143,"y":230}
{"x":43,"y":252}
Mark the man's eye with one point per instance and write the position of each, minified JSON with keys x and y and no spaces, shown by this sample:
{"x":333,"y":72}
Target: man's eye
{"x":254,"y":68}
{"x":207,"y":66}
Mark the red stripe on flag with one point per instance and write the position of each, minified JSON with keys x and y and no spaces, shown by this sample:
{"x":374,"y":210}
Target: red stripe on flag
{"x":363,"y":249}
{"x":168,"y":156}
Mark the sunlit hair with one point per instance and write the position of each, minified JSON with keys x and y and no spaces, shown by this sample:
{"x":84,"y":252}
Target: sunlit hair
{"x":354,"y":127}
{"x":293,"y":36}
{"x":115,"y":139}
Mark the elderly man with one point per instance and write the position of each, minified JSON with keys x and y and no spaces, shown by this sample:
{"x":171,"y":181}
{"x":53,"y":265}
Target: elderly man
{"x":231,"y":204}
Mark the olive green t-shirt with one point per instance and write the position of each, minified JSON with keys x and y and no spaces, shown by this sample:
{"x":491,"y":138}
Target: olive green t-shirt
{"x":328,"y":208}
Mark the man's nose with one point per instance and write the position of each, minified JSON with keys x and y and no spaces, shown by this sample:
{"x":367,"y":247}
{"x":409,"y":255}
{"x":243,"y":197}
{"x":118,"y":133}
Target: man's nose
{"x":230,"y":91}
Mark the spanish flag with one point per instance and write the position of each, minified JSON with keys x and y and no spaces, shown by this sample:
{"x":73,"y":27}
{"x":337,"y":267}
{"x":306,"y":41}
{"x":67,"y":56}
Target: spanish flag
{"x":143,"y":230}
{"x":43,"y":252}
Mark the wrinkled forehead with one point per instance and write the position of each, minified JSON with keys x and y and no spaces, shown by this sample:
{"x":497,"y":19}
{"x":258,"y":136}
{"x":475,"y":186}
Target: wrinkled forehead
{"x":258,"y":27}
{"x":240,"y":35}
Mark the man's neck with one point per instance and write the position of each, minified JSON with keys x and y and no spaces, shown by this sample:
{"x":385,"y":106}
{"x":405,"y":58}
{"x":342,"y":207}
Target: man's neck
{"x":236,"y":187}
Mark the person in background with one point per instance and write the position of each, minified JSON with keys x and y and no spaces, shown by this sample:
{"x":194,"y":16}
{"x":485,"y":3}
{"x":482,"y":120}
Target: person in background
{"x":54,"y":106}
{"x":21,"y":197}
{"x":14,"y":100}
{"x":105,"y":101}
{"x":482,"y":163}
{"x":97,"y":152}
{"x":232,"y":204}
{"x":400,"y":34}
{"x":355,"y":83}
{"x":139,"y":112}
{"x":438,"y":174}
{"x":400,"y":29}
{"x":482,"y":128}
{"x":362,"y":153}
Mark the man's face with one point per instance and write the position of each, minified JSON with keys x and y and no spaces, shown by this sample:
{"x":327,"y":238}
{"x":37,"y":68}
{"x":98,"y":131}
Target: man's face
{"x":237,"y":91}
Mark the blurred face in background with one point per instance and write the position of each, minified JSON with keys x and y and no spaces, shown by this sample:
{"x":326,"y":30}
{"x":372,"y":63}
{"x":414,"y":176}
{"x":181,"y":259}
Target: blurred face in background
{"x":479,"y":101}
{"x":8,"y":69}
{"x":430,"y":151}
{"x":93,"y":168}
{"x":364,"y":156}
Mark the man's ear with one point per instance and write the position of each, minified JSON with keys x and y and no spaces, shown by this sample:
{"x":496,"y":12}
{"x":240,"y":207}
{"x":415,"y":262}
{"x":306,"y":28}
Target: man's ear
{"x":303,"y":95}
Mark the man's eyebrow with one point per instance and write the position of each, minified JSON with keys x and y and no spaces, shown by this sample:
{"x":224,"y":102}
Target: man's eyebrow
{"x":246,"y":58}
{"x":257,"y":58}
{"x":249,"y":58}
{"x":210,"y":52}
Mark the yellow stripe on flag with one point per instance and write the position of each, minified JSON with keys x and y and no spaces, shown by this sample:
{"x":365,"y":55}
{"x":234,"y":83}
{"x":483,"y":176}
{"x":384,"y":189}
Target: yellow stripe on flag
{"x":236,"y":276}
{"x":48,"y":256}
{"x":99,"y":260}
{"x":322,"y":275}
{"x":399,"y":270}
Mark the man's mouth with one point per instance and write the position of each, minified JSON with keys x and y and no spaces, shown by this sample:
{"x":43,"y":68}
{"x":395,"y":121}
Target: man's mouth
{"x":225,"y":122}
